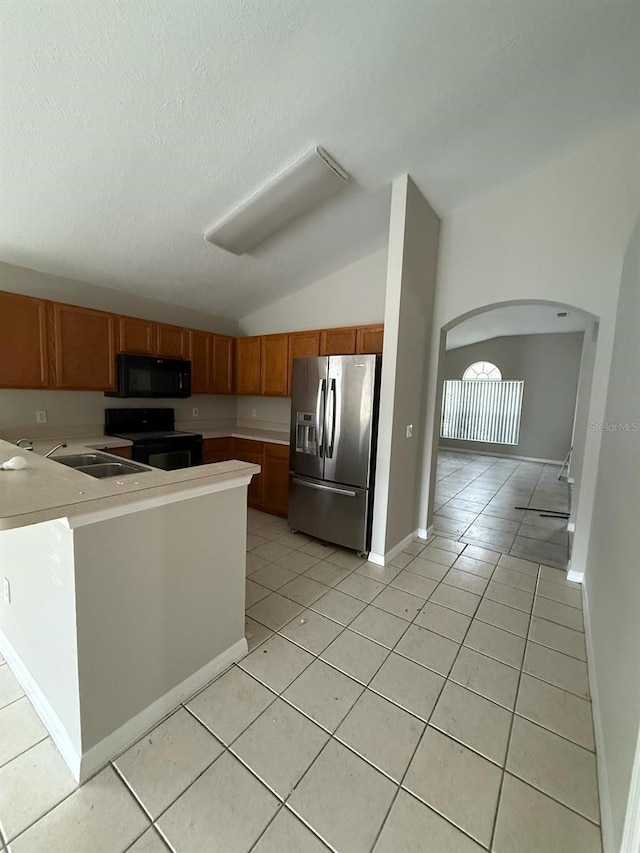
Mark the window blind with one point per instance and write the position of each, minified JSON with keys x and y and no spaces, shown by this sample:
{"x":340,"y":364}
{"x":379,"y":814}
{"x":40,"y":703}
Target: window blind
{"x":482,"y":410}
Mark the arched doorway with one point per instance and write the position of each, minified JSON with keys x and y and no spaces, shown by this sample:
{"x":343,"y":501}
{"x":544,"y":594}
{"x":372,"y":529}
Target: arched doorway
{"x":520,"y":318}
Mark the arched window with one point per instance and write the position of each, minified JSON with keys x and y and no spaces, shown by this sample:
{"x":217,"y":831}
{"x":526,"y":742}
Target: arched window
{"x":482,"y":370}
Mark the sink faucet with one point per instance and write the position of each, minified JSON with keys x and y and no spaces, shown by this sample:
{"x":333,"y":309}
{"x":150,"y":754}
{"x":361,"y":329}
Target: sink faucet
{"x":29,"y":442}
{"x":53,"y":449}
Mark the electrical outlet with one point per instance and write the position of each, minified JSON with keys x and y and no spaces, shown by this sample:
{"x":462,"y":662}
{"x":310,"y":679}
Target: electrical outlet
{"x":254,"y":413}
{"x":409,"y":430}
{"x":194,"y":412}
{"x":6,"y":590}
{"x":41,"y":417}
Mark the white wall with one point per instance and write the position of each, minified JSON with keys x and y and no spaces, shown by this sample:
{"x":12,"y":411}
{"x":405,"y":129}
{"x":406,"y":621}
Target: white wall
{"x":558,"y":235}
{"x":32,"y":283}
{"x":580,"y":422}
{"x":613,"y":575}
{"x":411,"y":279}
{"x":83,"y":411}
{"x":549,"y":365}
{"x":350,"y":296}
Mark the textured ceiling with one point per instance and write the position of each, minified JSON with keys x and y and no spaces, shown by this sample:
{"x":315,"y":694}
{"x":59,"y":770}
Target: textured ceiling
{"x":131,"y":126}
{"x":515,"y":320}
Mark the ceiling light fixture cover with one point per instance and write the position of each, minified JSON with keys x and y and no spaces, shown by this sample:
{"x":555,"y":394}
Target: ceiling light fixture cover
{"x":302,"y":186}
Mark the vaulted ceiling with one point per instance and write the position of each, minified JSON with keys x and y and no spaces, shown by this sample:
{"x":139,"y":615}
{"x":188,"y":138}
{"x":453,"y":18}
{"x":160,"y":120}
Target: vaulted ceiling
{"x":131,"y":126}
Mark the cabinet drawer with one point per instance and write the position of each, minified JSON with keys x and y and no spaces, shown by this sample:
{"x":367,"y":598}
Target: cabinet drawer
{"x":277,"y":451}
{"x":217,"y":450}
{"x":243,"y":446}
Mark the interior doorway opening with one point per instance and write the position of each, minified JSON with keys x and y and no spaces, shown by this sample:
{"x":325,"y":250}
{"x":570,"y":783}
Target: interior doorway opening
{"x":512,"y":399}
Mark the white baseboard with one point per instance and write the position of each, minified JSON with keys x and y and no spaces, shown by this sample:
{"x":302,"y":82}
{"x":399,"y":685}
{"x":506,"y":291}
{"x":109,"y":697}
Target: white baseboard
{"x":135,"y":728}
{"x":631,"y":831}
{"x":503,"y":455}
{"x":425,"y":532}
{"x":574,"y":574}
{"x":45,"y":711}
{"x":385,"y":559}
{"x":606,"y":821}
{"x":83,"y":766}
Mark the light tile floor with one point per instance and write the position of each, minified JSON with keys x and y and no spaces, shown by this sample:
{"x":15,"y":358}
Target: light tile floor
{"x":475,"y":499}
{"x":438,"y":704}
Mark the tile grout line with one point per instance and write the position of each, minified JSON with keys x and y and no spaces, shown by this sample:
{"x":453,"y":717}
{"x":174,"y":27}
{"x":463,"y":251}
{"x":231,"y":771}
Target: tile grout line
{"x":513,"y":716}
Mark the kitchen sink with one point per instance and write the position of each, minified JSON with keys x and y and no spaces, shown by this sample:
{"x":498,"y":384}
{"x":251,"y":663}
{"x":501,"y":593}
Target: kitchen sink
{"x":75,"y":460}
{"x":99,"y":465}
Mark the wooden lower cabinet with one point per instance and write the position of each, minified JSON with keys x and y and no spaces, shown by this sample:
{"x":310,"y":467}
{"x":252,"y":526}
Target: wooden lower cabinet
{"x":123,"y":452}
{"x":251,"y":451}
{"x":275,"y":492}
{"x":269,"y":490}
{"x":216,"y":450}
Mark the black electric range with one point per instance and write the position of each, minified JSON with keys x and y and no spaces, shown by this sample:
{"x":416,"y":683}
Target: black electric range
{"x":155,"y":441}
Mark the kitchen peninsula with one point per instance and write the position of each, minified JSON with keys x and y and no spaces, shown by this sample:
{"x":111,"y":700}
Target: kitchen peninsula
{"x":122,"y":596}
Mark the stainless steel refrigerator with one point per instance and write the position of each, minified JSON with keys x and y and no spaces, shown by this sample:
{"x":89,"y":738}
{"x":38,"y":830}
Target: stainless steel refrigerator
{"x":334,"y":421}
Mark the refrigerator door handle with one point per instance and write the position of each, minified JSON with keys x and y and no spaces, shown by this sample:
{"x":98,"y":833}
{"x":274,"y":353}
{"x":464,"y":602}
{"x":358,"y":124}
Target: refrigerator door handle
{"x":321,"y":404}
{"x":331,"y":396}
{"x":349,"y":493}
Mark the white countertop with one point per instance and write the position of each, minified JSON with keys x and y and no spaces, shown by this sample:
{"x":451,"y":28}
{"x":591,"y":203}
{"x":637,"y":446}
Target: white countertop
{"x":46,"y":489}
{"x":271,"y":436}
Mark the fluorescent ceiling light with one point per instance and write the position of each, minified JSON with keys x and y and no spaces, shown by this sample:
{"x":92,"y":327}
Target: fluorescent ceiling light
{"x":301,"y":187}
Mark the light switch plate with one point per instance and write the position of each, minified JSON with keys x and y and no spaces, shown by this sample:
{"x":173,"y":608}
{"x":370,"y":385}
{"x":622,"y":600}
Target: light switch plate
{"x":409,"y":430}
{"x":194,"y":412}
{"x":6,"y":590}
{"x":41,"y":417}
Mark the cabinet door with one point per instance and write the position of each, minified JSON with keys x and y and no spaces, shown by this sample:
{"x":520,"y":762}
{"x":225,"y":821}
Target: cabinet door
{"x":275,"y":496}
{"x":248,"y":366}
{"x":23,"y":342}
{"x":123,"y":452}
{"x":274,"y":367}
{"x":251,"y":451}
{"x":369,"y":340}
{"x":172,"y":341}
{"x":223,"y":350}
{"x":84,"y":345}
{"x":136,"y":335}
{"x":201,"y":354}
{"x":338,"y":341}
{"x":301,"y":345}
{"x":216,"y":450}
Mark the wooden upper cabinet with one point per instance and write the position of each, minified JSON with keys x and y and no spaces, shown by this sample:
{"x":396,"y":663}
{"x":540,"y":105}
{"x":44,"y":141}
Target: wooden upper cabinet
{"x":369,"y":339}
{"x":136,"y":335}
{"x":248,"y":356}
{"x":172,"y":341}
{"x":201,"y":355}
{"x":84,"y":348}
{"x":23,"y":342}
{"x":338,"y":341}
{"x":223,"y":352}
{"x":302,"y":345}
{"x":274,"y":365}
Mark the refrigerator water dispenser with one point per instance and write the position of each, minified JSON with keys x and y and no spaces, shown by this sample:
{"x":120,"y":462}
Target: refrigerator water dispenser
{"x":306,"y":433}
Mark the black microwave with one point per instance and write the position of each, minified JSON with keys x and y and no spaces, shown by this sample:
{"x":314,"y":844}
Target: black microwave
{"x":150,"y":376}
